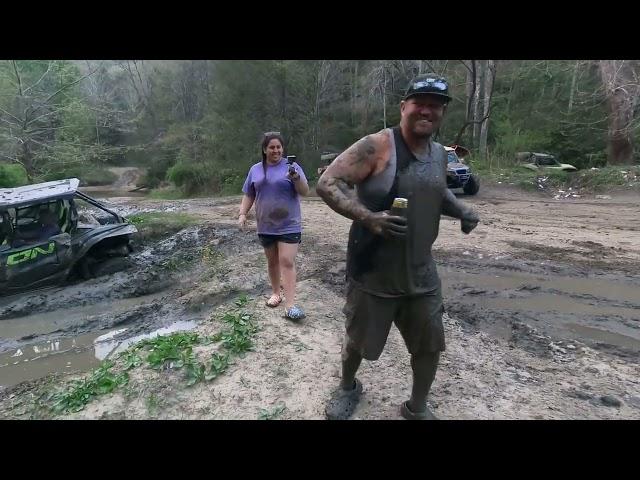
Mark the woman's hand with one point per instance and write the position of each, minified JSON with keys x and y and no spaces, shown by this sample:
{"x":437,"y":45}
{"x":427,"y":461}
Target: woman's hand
{"x":293,"y":175}
{"x":242,"y":221}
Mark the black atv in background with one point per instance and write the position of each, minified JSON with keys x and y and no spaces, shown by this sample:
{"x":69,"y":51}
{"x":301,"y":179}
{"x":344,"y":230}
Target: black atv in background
{"x":47,"y":235}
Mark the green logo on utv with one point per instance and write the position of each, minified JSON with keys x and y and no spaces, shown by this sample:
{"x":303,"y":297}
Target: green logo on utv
{"x":30,"y":254}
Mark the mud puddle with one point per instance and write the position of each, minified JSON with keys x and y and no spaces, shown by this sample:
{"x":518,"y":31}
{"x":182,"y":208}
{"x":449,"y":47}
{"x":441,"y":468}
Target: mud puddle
{"x":76,"y":354}
{"x":36,"y":345}
{"x":594,"y":311}
{"x":41,"y":334}
{"x":31,"y":326}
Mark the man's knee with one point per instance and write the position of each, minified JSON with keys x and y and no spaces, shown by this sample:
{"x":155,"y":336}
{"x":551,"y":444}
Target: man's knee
{"x":425,"y":358}
{"x":349,"y":351}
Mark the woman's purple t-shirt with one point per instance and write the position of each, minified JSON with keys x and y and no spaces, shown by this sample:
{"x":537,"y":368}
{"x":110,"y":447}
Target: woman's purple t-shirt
{"x":277,"y":202}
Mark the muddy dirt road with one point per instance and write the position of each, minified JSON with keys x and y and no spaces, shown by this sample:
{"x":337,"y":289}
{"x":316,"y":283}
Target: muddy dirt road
{"x":542,"y":300}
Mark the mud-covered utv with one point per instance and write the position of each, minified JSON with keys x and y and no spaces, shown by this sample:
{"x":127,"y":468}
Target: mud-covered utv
{"x":48,"y":234}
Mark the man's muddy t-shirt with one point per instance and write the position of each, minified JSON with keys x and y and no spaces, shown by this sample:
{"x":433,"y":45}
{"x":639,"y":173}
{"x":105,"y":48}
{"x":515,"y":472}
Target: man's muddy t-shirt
{"x":276,"y":200}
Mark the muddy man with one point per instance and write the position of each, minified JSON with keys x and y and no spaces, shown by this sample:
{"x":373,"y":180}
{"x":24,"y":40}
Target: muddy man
{"x":391,"y":274}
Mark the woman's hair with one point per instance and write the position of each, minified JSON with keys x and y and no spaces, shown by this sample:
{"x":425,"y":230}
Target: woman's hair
{"x":266,"y":138}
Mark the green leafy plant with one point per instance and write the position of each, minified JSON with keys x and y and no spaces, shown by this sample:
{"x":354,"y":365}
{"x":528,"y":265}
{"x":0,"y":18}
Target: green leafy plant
{"x":271,"y":414}
{"x":79,"y":393}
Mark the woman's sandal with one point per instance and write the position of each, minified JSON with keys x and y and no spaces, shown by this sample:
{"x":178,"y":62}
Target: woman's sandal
{"x":274,"y":300}
{"x":294,"y":313}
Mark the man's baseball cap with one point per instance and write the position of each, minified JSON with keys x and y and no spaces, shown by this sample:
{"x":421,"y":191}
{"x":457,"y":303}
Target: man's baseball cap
{"x":431,"y":84}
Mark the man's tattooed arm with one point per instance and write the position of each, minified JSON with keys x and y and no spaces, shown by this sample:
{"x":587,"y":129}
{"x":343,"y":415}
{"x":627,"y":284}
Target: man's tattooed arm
{"x":351,"y":167}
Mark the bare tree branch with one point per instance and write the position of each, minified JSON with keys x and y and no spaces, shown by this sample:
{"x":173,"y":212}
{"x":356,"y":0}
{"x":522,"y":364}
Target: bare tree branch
{"x":431,"y":66}
{"x":11,"y":115}
{"x":40,"y":79}
{"x":39,"y":117}
{"x":465,"y":65}
{"x":68,"y":85}
{"x":15,"y":69}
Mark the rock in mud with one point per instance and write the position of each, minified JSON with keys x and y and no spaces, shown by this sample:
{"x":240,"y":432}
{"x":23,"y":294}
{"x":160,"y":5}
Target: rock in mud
{"x":580,"y":395}
{"x":610,"y":401}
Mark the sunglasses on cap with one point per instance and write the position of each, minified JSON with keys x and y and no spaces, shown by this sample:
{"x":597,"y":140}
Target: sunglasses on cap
{"x":434,"y":83}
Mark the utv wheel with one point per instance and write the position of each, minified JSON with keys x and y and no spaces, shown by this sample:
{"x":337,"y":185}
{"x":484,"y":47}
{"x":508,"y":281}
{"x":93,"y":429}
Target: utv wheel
{"x":472,"y":186}
{"x":110,"y":265}
{"x":84,"y":270}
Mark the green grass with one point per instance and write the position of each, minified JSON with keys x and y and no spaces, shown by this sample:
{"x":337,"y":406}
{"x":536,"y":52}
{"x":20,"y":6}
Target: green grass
{"x":12,"y":175}
{"x":517,"y":176}
{"x":586,"y":180}
{"x":153,"y":225}
{"x":237,"y":338}
{"x":167,"y":194}
{"x":79,"y":393}
{"x":175,"y":193}
{"x":169,"y":351}
{"x":299,"y":346}
{"x":152,"y":402}
{"x":161,"y":353}
{"x":601,"y":179}
{"x":89,"y":175}
{"x":180,"y":261}
{"x":271,"y":414}
{"x":211,"y":256}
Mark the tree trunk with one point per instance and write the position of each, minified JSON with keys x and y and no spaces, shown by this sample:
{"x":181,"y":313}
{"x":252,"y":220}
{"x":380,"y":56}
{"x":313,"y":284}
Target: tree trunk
{"x":489,"y":72}
{"x":470,"y":91}
{"x":620,"y":90}
{"x":26,"y":158}
{"x":384,"y":98}
{"x":354,"y":93}
{"x":477,"y":113}
{"x":572,"y":92}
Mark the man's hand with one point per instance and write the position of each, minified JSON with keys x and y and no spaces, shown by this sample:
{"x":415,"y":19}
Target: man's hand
{"x":469,"y":222}
{"x":381,"y":223}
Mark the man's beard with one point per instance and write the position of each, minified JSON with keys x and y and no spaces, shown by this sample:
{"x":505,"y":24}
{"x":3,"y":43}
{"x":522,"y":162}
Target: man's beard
{"x":420,"y":133}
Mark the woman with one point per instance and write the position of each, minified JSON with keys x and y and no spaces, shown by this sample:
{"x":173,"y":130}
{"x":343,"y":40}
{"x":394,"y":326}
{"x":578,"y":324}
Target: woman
{"x":276,"y":191}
